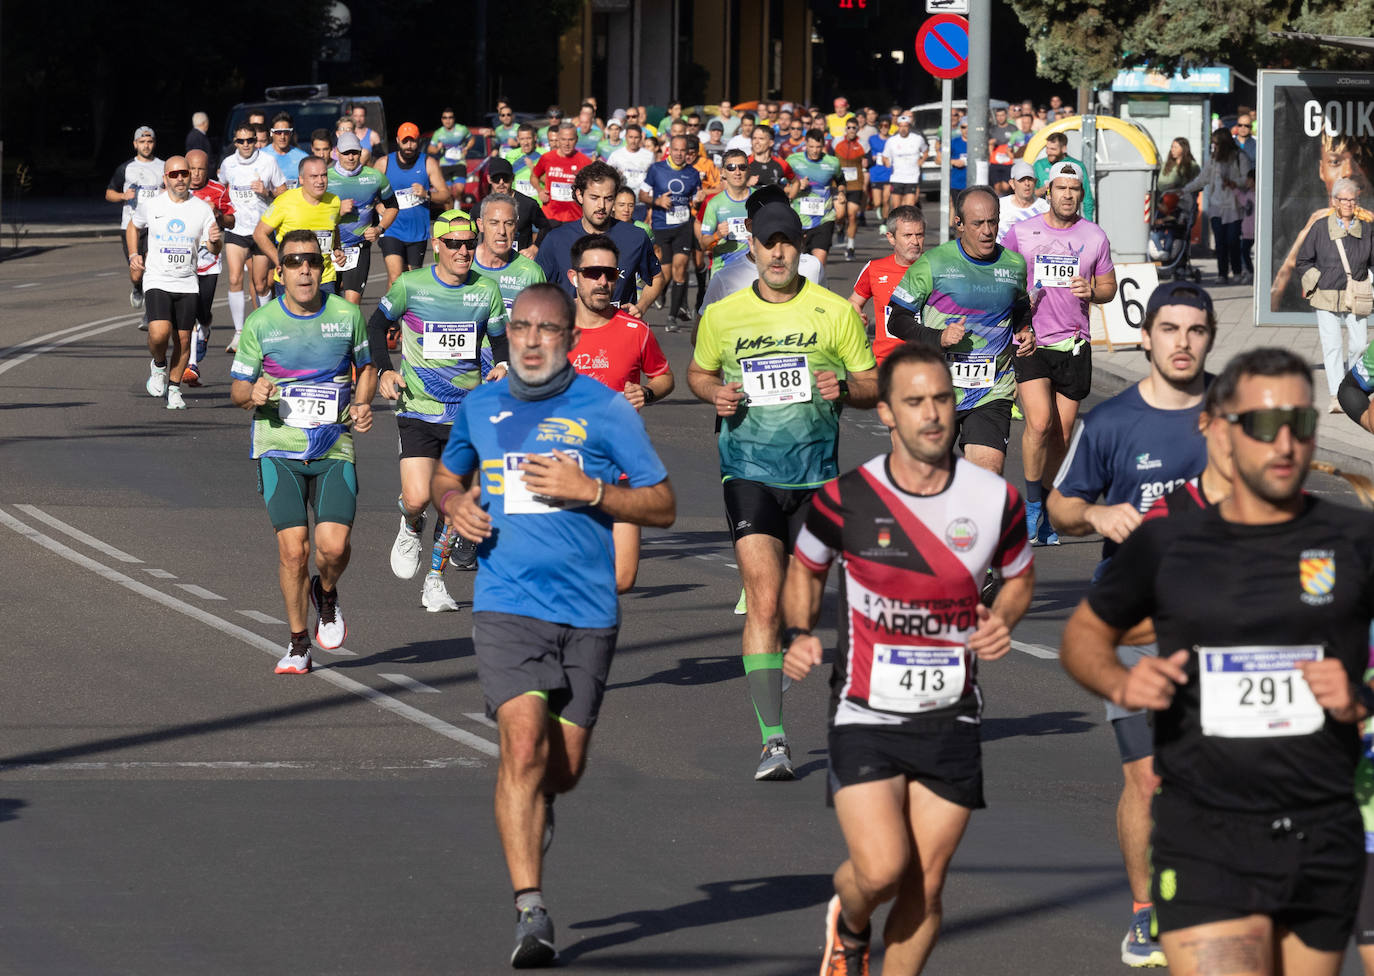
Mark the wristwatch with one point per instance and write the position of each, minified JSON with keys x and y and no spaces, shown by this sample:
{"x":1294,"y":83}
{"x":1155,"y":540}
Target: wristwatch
{"x":792,"y":633}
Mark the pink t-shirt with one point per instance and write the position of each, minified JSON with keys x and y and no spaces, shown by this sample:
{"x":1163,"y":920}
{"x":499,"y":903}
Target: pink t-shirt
{"x":1054,"y":256}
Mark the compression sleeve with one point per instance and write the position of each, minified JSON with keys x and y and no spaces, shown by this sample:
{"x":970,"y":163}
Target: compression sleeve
{"x":376,"y":339}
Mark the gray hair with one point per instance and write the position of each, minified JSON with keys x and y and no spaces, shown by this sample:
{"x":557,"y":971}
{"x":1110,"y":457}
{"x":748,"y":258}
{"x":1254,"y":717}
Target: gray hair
{"x":199,"y":119}
{"x":567,"y":125}
{"x":1345,"y":186}
{"x":496,"y":198}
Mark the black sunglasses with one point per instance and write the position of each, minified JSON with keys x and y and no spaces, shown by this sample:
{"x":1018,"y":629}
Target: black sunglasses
{"x":1264,"y":424}
{"x":173,"y":174}
{"x":300,"y":258}
{"x":733,"y":167}
{"x":459,"y":244}
{"x":245,"y":142}
{"x":597,"y":272}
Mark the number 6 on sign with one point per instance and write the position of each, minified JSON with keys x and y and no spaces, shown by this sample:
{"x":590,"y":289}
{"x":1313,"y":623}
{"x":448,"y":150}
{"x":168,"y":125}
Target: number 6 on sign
{"x":1118,"y":323}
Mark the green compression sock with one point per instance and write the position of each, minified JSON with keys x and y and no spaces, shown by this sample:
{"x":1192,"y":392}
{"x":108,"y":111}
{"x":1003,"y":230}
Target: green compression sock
{"x":764,"y":674}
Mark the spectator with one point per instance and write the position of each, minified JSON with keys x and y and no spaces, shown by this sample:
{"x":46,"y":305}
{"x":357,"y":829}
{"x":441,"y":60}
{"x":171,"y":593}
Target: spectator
{"x":199,"y":136}
{"x":1056,"y":109}
{"x":958,"y":159}
{"x":1244,"y":139}
{"x":1223,"y":177}
{"x":1179,"y":167}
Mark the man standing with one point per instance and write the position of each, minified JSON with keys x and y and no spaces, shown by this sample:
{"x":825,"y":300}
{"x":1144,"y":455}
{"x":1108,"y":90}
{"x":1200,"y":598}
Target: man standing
{"x":293,"y":371}
{"x":135,"y":181}
{"x":671,"y":188}
{"x":445,"y":313}
{"x":1070,"y":264}
{"x":1244,"y":139}
{"x":1057,"y":151}
{"x":906,"y":233}
{"x":208,"y":262}
{"x":372,"y":209}
{"x":778,"y":361}
{"x":417,"y":182}
{"x":178,"y":225}
{"x":555,"y":174}
{"x":254,"y":181}
{"x":1021,"y":203}
{"x":199,"y":136}
{"x":905,"y":755}
{"x":1126,"y":454}
{"x":539,"y":494}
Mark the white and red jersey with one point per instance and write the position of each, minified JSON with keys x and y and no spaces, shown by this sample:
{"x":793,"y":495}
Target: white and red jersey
{"x":913,"y":570}
{"x":622,"y":351}
{"x":216,"y":194}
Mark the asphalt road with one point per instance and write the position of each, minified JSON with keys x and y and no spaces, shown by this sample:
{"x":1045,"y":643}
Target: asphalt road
{"x":167,"y":804}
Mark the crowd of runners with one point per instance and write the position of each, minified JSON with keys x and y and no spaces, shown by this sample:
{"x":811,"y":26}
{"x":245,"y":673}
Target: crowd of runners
{"x":1227,"y":626}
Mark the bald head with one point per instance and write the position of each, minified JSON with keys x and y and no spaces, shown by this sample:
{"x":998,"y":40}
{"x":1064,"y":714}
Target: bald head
{"x":176,"y":175}
{"x":199,"y":165}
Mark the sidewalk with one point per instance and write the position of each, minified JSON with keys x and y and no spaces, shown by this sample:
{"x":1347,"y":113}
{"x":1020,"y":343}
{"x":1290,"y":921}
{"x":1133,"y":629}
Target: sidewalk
{"x":1340,"y":441}
{"x":51,"y":217}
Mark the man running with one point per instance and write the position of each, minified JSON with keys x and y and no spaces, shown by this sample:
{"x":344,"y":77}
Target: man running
{"x":208,"y":262}
{"x":417,"y":183}
{"x":555,"y":176}
{"x":619,"y":350}
{"x":450,"y":144}
{"x":293,"y":371}
{"x":1021,"y":203}
{"x":254,"y":181}
{"x":905,"y":151}
{"x":284,"y":150}
{"x":178,"y":225}
{"x":670,"y":190}
{"x":135,"y":181}
{"x":778,"y":361}
{"x":853,"y":158}
{"x":739,"y":270}
{"x":1056,"y":152}
{"x":1070,"y":265}
{"x":905,"y":751}
{"x":370,"y":210}
{"x":820,"y":194}
{"x":1127,"y":453}
{"x":445,"y":313}
{"x":529,"y":216}
{"x":311,"y":207}
{"x":723,"y":228}
{"x":633,"y":160}
{"x":497,"y":257}
{"x":538,"y":492}
{"x":906,"y":232}
{"x":1256,"y":852}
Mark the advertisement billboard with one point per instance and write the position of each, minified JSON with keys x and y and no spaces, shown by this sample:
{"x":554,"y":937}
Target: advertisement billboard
{"x":1315,"y":128}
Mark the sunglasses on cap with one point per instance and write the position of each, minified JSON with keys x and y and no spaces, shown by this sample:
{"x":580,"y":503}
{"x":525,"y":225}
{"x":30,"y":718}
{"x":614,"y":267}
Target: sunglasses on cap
{"x":459,"y":244}
{"x":282,"y":132}
{"x":1264,"y":424}
{"x":302,"y":257}
{"x":597,"y":272}
{"x":178,"y":174}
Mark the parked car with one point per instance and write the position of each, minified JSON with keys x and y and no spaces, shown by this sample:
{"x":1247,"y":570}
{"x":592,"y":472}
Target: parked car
{"x":925,"y":119}
{"x":312,"y":107}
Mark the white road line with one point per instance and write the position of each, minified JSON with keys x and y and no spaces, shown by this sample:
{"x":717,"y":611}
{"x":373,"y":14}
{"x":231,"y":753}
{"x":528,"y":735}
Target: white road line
{"x":107,"y":274}
{"x":410,"y":684}
{"x":480,"y":719}
{"x":27,"y":284}
{"x":408,"y":712}
{"x":8,"y":364}
{"x":199,"y":591}
{"x":447,"y":762}
{"x":77,"y":534}
{"x":260,"y":617}
{"x":1035,"y":650}
{"x":160,"y":574}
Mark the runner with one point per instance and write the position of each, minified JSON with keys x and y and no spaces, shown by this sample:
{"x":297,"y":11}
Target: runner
{"x":820,"y":194}
{"x":879,"y":278}
{"x":614,"y":139}
{"x":724,"y":220}
{"x":254,"y":181}
{"x":545,"y":608}
{"x":370,"y":139}
{"x":671,"y":188}
{"x":738,"y":270}
{"x":292,"y":370}
{"x":446,"y":313}
{"x":905,"y":151}
{"x":178,"y":226}
{"x":449,"y":145}
{"x":1256,"y":853}
{"x":905,"y":756}
{"x":505,"y":129}
{"x":620,"y":351}
{"x":555,"y":175}
{"x":1129,"y":452}
{"x":372,"y":209}
{"x":633,"y":161}
{"x":779,"y":436}
{"x":1057,"y":151}
{"x":135,"y":181}
{"x":311,"y":207}
{"x":208,"y":263}
{"x":418,"y":184}
{"x":1021,"y":203}
{"x":1070,"y":264}
{"x":497,"y":257}
{"x":284,"y":150}
{"x":853,"y":159}
{"x":523,"y":159}
{"x":529,"y":216}
{"x":968,"y":297}
{"x":767,"y":169}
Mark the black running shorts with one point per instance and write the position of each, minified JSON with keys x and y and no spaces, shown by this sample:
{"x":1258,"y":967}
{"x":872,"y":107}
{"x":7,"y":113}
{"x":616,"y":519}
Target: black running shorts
{"x":674,"y":240}
{"x":168,"y":306}
{"x":421,"y":439}
{"x":355,"y":278}
{"x":753,"y":507}
{"x":945,"y":756}
{"x":1070,"y":373}
{"x":818,"y":238}
{"x":987,"y":425}
{"x":411,"y":252}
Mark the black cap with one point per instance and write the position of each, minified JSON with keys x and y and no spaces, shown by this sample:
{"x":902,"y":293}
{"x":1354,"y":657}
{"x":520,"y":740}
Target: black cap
{"x":500,"y":167}
{"x":776,"y":218}
{"x":772,"y":193}
{"x":1179,"y":293}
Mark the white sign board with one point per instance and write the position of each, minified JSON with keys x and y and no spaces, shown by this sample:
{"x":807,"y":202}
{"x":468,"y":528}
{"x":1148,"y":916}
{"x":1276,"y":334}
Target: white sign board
{"x":947,"y":7}
{"x":1118,"y":322}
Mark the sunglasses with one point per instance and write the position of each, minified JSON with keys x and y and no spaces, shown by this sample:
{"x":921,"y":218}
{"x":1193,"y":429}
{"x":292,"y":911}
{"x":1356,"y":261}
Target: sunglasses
{"x":735,"y":167}
{"x":501,"y":178}
{"x":178,"y":174}
{"x":282,"y":132}
{"x":597,"y":272}
{"x":300,"y":258}
{"x":245,"y":142}
{"x":1264,"y":425}
{"x":459,"y":244}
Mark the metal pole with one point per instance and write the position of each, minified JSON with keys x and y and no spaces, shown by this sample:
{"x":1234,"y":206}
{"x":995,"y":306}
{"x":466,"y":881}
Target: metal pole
{"x":1090,"y":158}
{"x":979,"y":57}
{"x":947,"y":147}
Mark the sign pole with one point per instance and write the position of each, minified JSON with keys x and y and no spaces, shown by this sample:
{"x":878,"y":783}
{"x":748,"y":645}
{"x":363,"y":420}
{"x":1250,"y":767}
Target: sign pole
{"x":979,"y":56}
{"x":947,"y":145}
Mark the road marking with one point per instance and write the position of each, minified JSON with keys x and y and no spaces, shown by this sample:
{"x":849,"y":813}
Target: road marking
{"x":160,"y":574}
{"x":77,"y":534}
{"x":337,"y":651}
{"x":447,"y":762}
{"x":52,"y":341}
{"x":1035,"y":650}
{"x":107,"y":274}
{"x":261,"y":617}
{"x":410,"y":684}
{"x":480,"y":719}
{"x":199,"y":591}
{"x":27,"y":284}
{"x":398,"y":708}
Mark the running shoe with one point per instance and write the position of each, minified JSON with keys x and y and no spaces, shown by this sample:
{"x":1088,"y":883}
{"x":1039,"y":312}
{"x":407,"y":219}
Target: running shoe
{"x":202,"y":342}
{"x":740,"y":608}
{"x":463,"y":555}
{"x":405,"y":551}
{"x":1016,"y":413}
{"x":1046,"y":536}
{"x":1033,"y":517}
{"x":296,"y":660}
{"x":1140,"y":948}
{"x":533,"y":939}
{"x":174,"y":398}
{"x":136,"y":296}
{"x":233,"y":345}
{"x":849,"y":252}
{"x":776,"y":762}
{"x":671,"y":325}
{"x":840,"y":959}
{"x":330,"y":629}
{"x":192,"y":375}
{"x":157,"y":379}
{"x":435,"y":595}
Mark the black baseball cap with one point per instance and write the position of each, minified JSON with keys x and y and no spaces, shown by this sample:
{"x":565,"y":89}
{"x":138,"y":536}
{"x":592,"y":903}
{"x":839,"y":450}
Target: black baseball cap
{"x":500,"y":167}
{"x":776,"y":218}
{"x":1179,"y":293}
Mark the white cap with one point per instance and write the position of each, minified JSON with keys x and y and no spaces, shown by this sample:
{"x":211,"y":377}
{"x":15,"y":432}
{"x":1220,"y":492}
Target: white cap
{"x":904,"y":118}
{"x":1021,"y":169}
{"x":1066,"y":170}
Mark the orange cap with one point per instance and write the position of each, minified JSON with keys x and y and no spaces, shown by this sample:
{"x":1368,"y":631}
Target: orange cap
{"x":408,"y":130}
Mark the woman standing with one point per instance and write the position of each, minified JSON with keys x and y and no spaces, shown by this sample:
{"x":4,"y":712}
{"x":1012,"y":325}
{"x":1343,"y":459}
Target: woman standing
{"x":1322,"y":271}
{"x":1179,"y":168}
{"x":1223,"y":176}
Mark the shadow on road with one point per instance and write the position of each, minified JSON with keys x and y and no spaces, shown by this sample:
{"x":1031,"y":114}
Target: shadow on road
{"x":420,"y":652}
{"x":691,"y":671}
{"x":9,"y":808}
{"x":1042,"y":723}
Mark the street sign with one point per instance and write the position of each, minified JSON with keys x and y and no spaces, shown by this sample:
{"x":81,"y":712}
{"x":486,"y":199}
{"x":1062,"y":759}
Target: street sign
{"x":942,"y":46}
{"x":947,"y":7}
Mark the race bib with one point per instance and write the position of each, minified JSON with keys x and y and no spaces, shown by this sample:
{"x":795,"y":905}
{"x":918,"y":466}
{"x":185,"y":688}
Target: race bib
{"x":812,"y":206}
{"x":971,"y":372}
{"x":916,"y":679}
{"x":176,"y":258}
{"x":326,"y":239}
{"x":309,"y":406}
{"x":405,"y":199}
{"x":453,"y":154}
{"x":851,"y":173}
{"x":770,"y":380}
{"x":449,"y":340}
{"x":678,"y":215}
{"x":525,"y":187}
{"x":736,"y":229}
{"x":243,"y":196}
{"x":1257,"y":692}
{"x":561,"y":192}
{"x":1055,"y":270}
{"x":148,"y":192}
{"x":350,"y":260}
{"x":519,"y":499}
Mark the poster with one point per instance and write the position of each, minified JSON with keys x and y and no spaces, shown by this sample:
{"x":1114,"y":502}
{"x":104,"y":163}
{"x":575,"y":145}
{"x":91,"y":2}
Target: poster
{"x":1315,"y":128}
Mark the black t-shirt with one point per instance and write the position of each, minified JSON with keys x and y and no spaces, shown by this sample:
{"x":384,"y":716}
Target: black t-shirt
{"x":1214,"y":584}
{"x":771,"y":171}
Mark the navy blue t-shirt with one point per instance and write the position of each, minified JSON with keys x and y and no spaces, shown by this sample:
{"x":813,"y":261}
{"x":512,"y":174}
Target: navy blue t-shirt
{"x":636,"y":257}
{"x":1125,"y":450}
{"x":680,"y":185}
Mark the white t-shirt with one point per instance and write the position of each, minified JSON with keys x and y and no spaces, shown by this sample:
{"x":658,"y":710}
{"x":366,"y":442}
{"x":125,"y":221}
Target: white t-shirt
{"x":739,"y":272}
{"x":1011,"y":213}
{"x":238,"y":174}
{"x":904,"y":156}
{"x":742,"y":143}
{"x":144,"y":177}
{"x":175,"y":233}
{"x":632,"y":165}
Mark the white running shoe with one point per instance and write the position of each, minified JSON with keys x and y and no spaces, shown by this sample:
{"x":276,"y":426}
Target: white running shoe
{"x":136,"y":296}
{"x":157,"y":379}
{"x":293,"y":663}
{"x":435,"y":595}
{"x":233,"y":344}
{"x":174,"y":399}
{"x":330,"y":630}
{"x":405,"y":551}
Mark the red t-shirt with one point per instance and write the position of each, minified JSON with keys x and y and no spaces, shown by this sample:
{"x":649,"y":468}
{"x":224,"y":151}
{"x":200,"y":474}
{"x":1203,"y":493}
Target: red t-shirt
{"x":618,"y":352}
{"x":216,"y":194}
{"x":877,"y":281}
{"x":558,"y":173}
